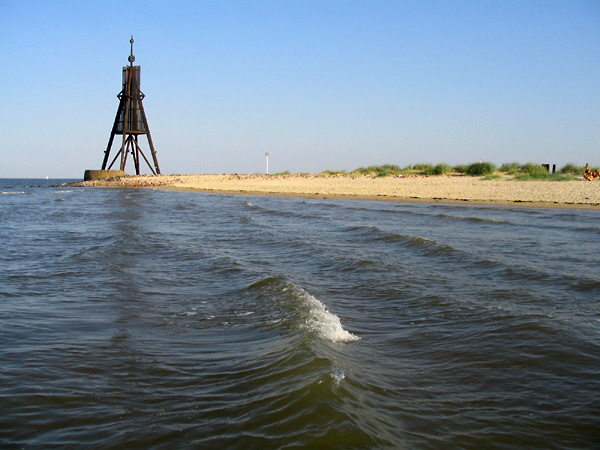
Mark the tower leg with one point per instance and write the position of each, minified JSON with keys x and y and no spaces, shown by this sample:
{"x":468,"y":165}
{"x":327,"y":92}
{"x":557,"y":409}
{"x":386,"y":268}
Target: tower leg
{"x":126,"y":120}
{"x":154,"y":158}
{"x":114,"y":159}
{"x":107,"y":151}
{"x":123,"y":152}
{"x":156,"y":169}
{"x":112,"y":135}
{"x":147,"y":162}
{"x":135,"y":152}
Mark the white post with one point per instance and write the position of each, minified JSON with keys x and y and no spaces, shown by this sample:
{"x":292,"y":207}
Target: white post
{"x":267,"y":155}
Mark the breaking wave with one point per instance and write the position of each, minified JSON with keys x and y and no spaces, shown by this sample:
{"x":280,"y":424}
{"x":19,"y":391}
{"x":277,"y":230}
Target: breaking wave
{"x":300,"y":311}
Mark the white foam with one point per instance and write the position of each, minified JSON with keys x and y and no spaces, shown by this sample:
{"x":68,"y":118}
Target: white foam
{"x":327,"y":325}
{"x":338,"y":375}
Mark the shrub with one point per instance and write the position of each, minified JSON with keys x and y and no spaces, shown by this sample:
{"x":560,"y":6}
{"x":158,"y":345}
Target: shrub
{"x":426,"y":170}
{"x":480,"y":168}
{"x":422,"y":168}
{"x":333,"y":172}
{"x":439,"y":169}
{"x":533,"y":168}
{"x":364,"y":170}
{"x":380,"y":171}
{"x":442,"y":169}
{"x":510,"y":167}
{"x":572,"y":169}
{"x":388,"y":169}
{"x":461,"y":168}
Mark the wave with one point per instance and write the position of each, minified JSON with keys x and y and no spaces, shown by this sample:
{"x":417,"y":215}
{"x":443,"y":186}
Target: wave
{"x":299,"y":213}
{"x":418,"y":242}
{"x":298,"y":310}
{"x":472,"y":219}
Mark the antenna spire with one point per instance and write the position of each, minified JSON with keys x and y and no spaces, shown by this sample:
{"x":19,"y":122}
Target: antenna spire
{"x":131,"y":57}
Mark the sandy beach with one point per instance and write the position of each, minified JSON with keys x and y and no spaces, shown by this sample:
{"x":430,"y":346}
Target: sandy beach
{"x":431,"y":189}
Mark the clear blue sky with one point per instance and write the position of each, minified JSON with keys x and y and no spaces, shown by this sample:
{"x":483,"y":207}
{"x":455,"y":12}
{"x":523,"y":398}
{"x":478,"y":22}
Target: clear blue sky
{"x":317,"y":84}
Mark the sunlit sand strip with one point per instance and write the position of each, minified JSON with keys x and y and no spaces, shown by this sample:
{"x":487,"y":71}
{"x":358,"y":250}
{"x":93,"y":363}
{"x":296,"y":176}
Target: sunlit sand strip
{"x":434,"y":189}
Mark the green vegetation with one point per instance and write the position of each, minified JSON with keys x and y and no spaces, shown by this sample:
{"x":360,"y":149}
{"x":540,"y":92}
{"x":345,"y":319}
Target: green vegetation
{"x":394,"y":170}
{"x":544,"y":176}
{"x":516,"y":171}
{"x":572,"y":169}
{"x":442,"y":169}
{"x":494,"y":176}
{"x":477,"y":169}
{"x":480,"y":169}
{"x":333,"y":172}
{"x":533,"y":169}
{"x":422,"y":168}
{"x":510,"y":168}
{"x":439,"y":169}
{"x":380,"y":171}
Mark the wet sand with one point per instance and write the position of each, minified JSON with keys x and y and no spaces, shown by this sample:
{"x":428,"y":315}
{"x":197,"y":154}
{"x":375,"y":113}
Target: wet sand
{"x":430,"y":189}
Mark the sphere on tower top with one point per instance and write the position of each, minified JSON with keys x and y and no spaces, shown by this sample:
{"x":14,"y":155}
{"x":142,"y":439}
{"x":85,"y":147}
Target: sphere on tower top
{"x":131,"y":58}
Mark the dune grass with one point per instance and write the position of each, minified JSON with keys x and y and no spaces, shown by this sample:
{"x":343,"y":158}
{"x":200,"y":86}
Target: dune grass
{"x":573,"y":169}
{"x":544,"y":176}
{"x":480,"y":169}
{"x":513,"y":170}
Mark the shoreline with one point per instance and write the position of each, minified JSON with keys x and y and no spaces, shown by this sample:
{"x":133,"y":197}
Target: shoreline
{"x":448,"y":189}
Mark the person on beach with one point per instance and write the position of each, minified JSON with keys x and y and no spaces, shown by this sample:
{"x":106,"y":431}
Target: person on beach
{"x":588,"y":175}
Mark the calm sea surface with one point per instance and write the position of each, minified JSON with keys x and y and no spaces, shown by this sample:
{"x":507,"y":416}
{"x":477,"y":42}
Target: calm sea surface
{"x":137,"y":319}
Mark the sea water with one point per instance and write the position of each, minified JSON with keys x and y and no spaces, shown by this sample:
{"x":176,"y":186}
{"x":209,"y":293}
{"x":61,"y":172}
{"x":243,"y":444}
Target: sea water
{"x":139,"y":318}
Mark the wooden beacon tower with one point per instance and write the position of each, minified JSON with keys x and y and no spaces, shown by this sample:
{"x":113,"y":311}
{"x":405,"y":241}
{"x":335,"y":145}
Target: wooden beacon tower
{"x":131,"y":123}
